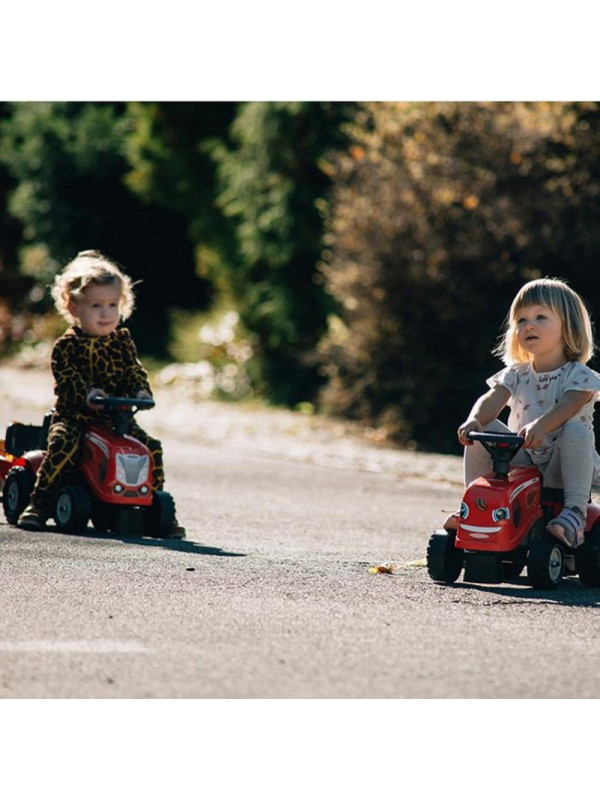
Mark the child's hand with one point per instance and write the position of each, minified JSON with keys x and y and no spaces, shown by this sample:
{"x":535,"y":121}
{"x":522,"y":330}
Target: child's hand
{"x":94,"y":393}
{"x":468,"y":426}
{"x":533,"y":433}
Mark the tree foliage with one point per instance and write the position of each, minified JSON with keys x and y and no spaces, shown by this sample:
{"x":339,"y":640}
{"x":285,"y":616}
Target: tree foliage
{"x":441,"y":211}
{"x":12,"y":285}
{"x":370,"y":250}
{"x":274,"y":192}
{"x":170,"y":164}
{"x":68,"y":164}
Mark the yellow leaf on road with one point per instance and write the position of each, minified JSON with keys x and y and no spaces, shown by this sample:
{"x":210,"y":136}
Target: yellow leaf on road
{"x":384,"y":568}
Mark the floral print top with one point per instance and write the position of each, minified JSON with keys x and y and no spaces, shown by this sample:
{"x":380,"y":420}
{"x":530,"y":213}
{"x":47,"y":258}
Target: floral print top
{"x":534,"y":393}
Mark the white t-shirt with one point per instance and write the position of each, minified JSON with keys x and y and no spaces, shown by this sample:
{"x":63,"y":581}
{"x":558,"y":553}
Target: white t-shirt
{"x":534,"y":393}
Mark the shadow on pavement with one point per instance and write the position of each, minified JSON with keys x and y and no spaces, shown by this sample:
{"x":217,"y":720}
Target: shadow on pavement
{"x":180,"y":545}
{"x":570,"y":593}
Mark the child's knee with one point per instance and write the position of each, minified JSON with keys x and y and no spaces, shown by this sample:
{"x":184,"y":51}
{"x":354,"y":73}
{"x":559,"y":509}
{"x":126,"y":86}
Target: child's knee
{"x":575,"y":430}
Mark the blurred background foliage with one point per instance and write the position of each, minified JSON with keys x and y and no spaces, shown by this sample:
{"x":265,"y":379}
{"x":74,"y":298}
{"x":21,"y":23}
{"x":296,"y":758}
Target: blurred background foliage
{"x":354,"y":258}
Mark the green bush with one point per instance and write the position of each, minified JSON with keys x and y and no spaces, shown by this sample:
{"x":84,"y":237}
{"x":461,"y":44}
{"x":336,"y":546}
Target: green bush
{"x":440,"y":212}
{"x":273,"y":191}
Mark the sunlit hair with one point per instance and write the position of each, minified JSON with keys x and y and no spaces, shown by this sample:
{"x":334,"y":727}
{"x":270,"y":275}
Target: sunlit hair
{"x":88,"y":268}
{"x":578,"y":338}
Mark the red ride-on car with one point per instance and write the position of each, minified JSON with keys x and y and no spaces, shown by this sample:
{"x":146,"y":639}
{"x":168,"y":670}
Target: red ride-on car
{"x":112,"y":482}
{"x":501,"y":529}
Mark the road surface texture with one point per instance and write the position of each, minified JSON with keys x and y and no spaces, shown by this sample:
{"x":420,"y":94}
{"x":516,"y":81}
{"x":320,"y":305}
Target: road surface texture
{"x":271,"y":594}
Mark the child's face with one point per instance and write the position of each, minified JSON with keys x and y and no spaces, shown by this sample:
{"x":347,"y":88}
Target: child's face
{"x":97,"y":310}
{"x":540,"y":333}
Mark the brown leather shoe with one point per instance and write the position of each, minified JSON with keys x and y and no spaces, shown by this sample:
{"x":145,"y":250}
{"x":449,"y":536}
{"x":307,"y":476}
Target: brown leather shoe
{"x":33,"y":518}
{"x":176,"y":531}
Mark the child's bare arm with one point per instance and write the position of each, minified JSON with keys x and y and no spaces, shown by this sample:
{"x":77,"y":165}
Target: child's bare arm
{"x":485,"y":409}
{"x":569,"y":404}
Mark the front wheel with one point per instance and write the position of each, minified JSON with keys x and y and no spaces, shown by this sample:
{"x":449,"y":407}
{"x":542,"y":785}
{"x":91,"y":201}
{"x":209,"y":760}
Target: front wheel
{"x":73,"y":509}
{"x":512,"y":569}
{"x":16,"y":492}
{"x":160,"y":517}
{"x":444,"y":560}
{"x":103,"y":517}
{"x":545,"y":563}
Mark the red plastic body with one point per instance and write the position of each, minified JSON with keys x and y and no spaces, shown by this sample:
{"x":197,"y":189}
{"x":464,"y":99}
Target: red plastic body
{"x":6,"y":462}
{"x":31,"y":460}
{"x":104,"y":455}
{"x":519,"y":493}
{"x":593,"y":515}
{"x":108,"y":462}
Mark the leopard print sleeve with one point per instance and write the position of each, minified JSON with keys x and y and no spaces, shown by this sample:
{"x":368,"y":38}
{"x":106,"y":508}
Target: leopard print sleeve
{"x":70,"y":385}
{"x":137,"y":377}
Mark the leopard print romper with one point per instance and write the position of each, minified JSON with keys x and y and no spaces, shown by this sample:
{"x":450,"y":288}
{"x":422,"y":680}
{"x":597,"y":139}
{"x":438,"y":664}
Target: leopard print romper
{"x":81,"y":362}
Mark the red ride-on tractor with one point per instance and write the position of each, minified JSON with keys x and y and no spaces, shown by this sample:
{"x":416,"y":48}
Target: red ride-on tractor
{"x":501,"y":528}
{"x":112,"y":482}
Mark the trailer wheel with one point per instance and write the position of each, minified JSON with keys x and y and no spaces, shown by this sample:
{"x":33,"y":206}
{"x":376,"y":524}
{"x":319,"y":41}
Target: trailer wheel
{"x":16,"y":492}
{"x":444,"y":560}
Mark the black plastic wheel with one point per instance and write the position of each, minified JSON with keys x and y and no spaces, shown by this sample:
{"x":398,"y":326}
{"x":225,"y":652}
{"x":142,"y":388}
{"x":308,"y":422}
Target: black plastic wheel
{"x":160,"y":516}
{"x":16,"y":492}
{"x":103,"y":517}
{"x":73,"y":508}
{"x":545,"y":563}
{"x":444,"y":560}
{"x":511,"y":569}
{"x":587,"y":558}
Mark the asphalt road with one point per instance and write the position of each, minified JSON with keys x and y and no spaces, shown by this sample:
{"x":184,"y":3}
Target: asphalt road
{"x":271,"y":596}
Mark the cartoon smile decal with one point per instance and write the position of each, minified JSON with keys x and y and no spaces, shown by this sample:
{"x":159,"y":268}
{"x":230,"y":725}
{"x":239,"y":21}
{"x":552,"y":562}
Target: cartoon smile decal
{"x":483,"y":531}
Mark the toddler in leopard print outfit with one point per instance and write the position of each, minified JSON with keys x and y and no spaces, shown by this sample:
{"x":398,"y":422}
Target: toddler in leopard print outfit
{"x":93,"y":357}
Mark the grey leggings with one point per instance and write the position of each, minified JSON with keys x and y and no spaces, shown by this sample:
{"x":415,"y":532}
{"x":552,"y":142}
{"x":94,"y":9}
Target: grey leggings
{"x":570,"y":467}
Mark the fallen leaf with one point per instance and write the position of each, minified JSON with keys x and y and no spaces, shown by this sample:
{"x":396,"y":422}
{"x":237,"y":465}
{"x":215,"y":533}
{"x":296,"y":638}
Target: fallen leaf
{"x":387,"y":569}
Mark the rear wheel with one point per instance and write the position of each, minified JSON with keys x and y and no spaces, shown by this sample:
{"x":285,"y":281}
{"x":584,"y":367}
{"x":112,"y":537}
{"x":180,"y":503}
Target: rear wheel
{"x":73,"y":509}
{"x":545,"y":563}
{"x":444,"y":560}
{"x":16,"y":492}
{"x":587,"y":558}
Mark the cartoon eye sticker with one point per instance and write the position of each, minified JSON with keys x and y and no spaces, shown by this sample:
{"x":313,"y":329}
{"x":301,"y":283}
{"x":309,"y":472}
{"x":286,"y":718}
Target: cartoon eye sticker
{"x":500,"y":514}
{"x":464,"y":510}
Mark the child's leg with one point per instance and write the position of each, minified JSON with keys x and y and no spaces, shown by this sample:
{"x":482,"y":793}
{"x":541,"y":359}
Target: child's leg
{"x":156,"y":454}
{"x":571,"y":468}
{"x":61,"y":454}
{"x":63,"y":445}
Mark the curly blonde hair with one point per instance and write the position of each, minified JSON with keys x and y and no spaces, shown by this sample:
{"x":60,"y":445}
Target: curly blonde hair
{"x":90,"y":267}
{"x":554,"y":293}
